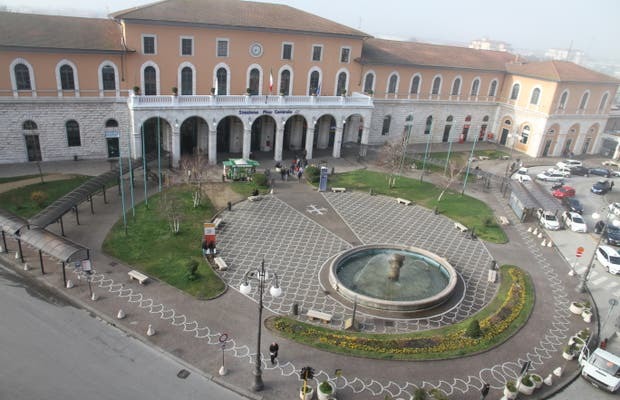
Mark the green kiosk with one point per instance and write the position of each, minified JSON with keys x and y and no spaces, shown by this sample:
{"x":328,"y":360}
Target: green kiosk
{"x":237,"y":169}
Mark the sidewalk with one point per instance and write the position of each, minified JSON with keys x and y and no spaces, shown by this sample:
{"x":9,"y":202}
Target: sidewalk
{"x":190,"y":329}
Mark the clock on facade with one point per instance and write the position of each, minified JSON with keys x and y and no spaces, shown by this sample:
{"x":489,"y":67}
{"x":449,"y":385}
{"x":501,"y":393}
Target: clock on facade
{"x":256,"y":50}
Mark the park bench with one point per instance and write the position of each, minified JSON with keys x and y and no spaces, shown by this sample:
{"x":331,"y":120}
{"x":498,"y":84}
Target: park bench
{"x":254,"y":198}
{"x":220,"y":263}
{"x":339,"y":189}
{"x":460,"y":227}
{"x":503,"y":220}
{"x":403,"y":201}
{"x":217,"y":222}
{"x":139,"y":276}
{"x":483,"y":158}
{"x":314,"y":314}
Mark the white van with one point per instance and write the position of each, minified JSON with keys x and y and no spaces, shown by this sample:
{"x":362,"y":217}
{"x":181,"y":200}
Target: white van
{"x":601,"y":369}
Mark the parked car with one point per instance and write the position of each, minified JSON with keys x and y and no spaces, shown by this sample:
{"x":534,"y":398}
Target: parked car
{"x":575,"y":222}
{"x":612,"y":233}
{"x":568,"y":163}
{"x":614,"y":208}
{"x":609,"y":259}
{"x":563,"y":192}
{"x":521,"y":175}
{"x":565,"y":172}
{"x":572,"y":204}
{"x":601,"y":187}
{"x":600,"y":172}
{"x":579,"y":170}
{"x":550,"y":177}
{"x":611,"y":163}
{"x":548,"y":220}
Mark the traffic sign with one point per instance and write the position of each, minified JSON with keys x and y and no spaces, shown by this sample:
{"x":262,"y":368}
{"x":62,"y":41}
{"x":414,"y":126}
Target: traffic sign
{"x":580,"y":251}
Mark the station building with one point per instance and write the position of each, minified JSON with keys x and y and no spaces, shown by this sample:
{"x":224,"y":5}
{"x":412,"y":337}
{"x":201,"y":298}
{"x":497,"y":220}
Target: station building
{"x":236,"y":78}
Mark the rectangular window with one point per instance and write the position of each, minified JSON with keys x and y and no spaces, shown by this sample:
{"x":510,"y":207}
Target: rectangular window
{"x":187,"y":46}
{"x":317,"y":52}
{"x":287,"y":51}
{"x":222,"y":47}
{"x":524,"y":137}
{"x":345,"y":54}
{"x":149,"y":44}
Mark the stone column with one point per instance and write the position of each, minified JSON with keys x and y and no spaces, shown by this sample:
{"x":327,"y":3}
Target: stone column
{"x":212,"y":145}
{"x":176,"y":145}
{"x":365,"y":134}
{"x":247,"y":141}
{"x":136,"y":144}
{"x":337,"y":141}
{"x":279,"y":142}
{"x":309,"y":142}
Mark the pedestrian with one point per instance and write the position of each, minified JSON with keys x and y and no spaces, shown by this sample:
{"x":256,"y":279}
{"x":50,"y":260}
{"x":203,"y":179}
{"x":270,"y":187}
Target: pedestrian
{"x":300,"y":173}
{"x":611,"y":186}
{"x":273,"y":352}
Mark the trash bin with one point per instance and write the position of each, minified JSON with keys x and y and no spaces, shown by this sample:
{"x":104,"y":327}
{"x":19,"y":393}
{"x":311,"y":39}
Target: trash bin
{"x":295,"y":309}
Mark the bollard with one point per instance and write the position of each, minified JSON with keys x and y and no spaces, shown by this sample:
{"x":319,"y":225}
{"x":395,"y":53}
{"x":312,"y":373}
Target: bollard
{"x":544,"y":243}
{"x":295,"y":308}
{"x":535,"y":231}
{"x":333,"y":170}
{"x":121,"y":314}
{"x":558,"y":371}
{"x":16,"y":255}
{"x":26,"y":267}
{"x":150,"y":331}
{"x":69,"y":284}
{"x":540,"y":235}
{"x":229,"y":206}
{"x":549,"y":244}
{"x":93,"y":296}
{"x":548,"y":380}
{"x":529,"y":229}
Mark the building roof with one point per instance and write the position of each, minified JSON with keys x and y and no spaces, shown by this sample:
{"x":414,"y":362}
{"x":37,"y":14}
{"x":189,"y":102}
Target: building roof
{"x":59,"y":32}
{"x":393,"y":52}
{"x":236,"y":13}
{"x":559,"y":71}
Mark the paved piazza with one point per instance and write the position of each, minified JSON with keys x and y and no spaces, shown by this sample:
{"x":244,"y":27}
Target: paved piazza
{"x":296,"y":248}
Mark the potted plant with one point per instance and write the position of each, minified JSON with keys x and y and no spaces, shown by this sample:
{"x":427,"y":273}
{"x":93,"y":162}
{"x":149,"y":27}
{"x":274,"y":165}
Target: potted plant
{"x":537,"y":379}
{"x":306,"y":392}
{"x":576,"y":307}
{"x":510,"y":390}
{"x":248,"y":91}
{"x":136,"y":90}
{"x":212,"y":91}
{"x":577,"y":342}
{"x":370,"y":92}
{"x":175,"y":90}
{"x":343,"y":93}
{"x":325,"y":390}
{"x":586,"y":314}
{"x":584,"y":334}
{"x":568,"y":352}
{"x":527,"y":385}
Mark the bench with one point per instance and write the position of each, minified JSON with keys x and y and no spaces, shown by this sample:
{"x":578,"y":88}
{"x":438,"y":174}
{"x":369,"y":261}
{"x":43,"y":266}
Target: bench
{"x":483,"y":158}
{"x":217,"y":222}
{"x":403,"y":201}
{"x":139,"y":276}
{"x":254,"y":198}
{"x":220,"y":263}
{"x":460,"y":227}
{"x":339,"y":189}
{"x":503,"y":220}
{"x":313,"y":314}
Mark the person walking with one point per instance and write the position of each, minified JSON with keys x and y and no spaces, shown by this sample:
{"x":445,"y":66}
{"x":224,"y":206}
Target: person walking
{"x":273,"y":352}
{"x":300,"y":173}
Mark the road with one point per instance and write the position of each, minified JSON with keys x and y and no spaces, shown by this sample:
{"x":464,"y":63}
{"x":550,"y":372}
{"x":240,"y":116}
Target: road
{"x":602,"y":285}
{"x":53,"y":350}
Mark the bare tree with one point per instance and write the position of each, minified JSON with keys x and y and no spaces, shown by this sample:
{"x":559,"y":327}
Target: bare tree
{"x":391,"y":158}
{"x":195,"y":168}
{"x":169,"y":205}
{"x":454,"y":170}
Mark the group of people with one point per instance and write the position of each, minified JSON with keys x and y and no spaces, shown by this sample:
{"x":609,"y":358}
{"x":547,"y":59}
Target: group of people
{"x":296,"y":168}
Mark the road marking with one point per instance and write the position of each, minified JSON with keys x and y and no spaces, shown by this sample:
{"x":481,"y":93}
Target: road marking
{"x":599,"y":280}
{"x":312,"y":209}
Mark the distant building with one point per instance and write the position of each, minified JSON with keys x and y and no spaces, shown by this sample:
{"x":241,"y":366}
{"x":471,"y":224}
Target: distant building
{"x":576,"y":56}
{"x":486,"y":44}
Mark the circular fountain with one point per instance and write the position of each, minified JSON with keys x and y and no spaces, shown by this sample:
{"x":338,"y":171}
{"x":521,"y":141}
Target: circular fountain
{"x":393,"y":278}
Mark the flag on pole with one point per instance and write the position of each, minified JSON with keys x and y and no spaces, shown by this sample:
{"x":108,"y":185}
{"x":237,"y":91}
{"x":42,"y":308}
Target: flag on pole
{"x":270,"y":81}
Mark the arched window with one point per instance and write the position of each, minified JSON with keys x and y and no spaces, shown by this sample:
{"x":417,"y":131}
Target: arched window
{"x":150,"y":81}
{"x":67,"y":81}
{"x":493,"y":88}
{"x":603,"y":103}
{"x":314,"y":83}
{"x":369,"y":82}
{"x":525,"y":134}
{"x":584,"y":101}
{"x":108,"y":79}
{"x":222,"y":81}
{"x":22,"y":77}
{"x":456,"y":87}
{"x":415,"y":85}
{"x":29,"y":125}
{"x":385,"y":130}
{"x":475,"y":87}
{"x":285,"y":82}
{"x":73,"y":133}
{"x":341,"y":87}
{"x":187,"y":81}
{"x":111,"y":123}
{"x":429,"y":125}
{"x":393,"y":83}
{"x":514,"y":94}
{"x":436,"y":85}
{"x":483,"y":127}
{"x":535,"y":96}
{"x":563,"y":100}
{"x":254,"y":81}
{"x":449,"y":119}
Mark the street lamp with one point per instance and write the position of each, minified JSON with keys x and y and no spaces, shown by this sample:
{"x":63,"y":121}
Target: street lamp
{"x":245,"y":288}
{"x":581,"y":287}
{"x":512,"y":149}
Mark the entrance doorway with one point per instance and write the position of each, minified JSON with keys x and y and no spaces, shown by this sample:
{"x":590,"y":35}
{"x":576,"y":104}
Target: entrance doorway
{"x":504,"y":138}
{"x":546,"y":149}
{"x":33,"y":148}
{"x":112,"y":147}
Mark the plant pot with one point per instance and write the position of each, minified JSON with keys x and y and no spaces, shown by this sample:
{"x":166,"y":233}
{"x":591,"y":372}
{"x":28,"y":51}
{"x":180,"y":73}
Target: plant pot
{"x":327,"y":394}
{"x":538,"y":380}
{"x":509,"y":394}
{"x":568,"y":356}
{"x":526,"y":390}
{"x":308,"y":395}
{"x":587,"y":316}
{"x":577,"y":342}
{"x":576,"y":308}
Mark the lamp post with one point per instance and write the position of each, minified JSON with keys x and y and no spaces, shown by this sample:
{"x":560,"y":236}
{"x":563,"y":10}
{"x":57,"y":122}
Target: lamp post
{"x":407,"y":136}
{"x":260,"y":276}
{"x":512,"y":150}
{"x":581,"y":287}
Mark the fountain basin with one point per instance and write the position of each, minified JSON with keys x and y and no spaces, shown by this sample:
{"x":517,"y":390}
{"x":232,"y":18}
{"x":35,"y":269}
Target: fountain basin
{"x":366,"y":275}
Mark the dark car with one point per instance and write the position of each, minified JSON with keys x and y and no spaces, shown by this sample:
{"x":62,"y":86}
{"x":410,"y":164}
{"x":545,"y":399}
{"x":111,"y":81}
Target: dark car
{"x":572,"y":204}
{"x":580,"y":170}
{"x":600,"y":172}
{"x":612,"y":235}
{"x":601,"y":187}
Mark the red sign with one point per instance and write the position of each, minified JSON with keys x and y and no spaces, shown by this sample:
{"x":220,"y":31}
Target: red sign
{"x":580,"y":251}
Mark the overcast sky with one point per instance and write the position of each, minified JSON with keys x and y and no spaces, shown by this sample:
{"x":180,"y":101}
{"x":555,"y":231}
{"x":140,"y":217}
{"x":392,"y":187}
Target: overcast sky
{"x":592,"y":26}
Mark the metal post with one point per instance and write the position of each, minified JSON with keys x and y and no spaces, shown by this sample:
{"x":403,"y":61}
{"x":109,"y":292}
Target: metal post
{"x":471,"y":155}
{"x":105,"y":200}
{"x":64,"y":274}
{"x":133,"y":208}
{"x":583,"y":282}
{"x":445,"y":169}
{"x":428,"y":141}
{"x":122,"y":186}
{"x":21,"y":253}
{"x":41,"y":262}
{"x":409,"y":124}
{"x":146,"y":197}
{"x":92,"y":210}
{"x":77,"y":215}
{"x":258,"y":379}
{"x":4,"y":242}
{"x":158,"y":154}
{"x":62,"y":227}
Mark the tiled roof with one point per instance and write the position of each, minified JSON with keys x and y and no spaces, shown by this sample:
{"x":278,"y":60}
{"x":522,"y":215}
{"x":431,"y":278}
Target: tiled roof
{"x":236,"y":13}
{"x":59,"y":32}
{"x":392,"y":52}
{"x":559,"y":71}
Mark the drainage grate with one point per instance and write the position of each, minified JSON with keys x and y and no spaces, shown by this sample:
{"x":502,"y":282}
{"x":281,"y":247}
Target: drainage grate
{"x":183,"y":374}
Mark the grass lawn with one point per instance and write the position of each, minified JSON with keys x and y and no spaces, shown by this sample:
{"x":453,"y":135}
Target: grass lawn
{"x":19,"y":202}
{"x":470,"y":212}
{"x":20,"y":178}
{"x":499,"y":320}
{"x":151,"y":247}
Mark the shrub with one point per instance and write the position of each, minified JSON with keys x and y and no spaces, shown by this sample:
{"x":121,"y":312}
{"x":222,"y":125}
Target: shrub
{"x":527,"y":380}
{"x":511,"y":386}
{"x":38,"y":197}
{"x":325,"y":387}
{"x":473,"y":329}
{"x":584,"y":334}
{"x":260,"y":180}
{"x":192,"y":268}
{"x":420,"y":394}
{"x":438,"y":394}
{"x":536,"y":378}
{"x":312,"y":174}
